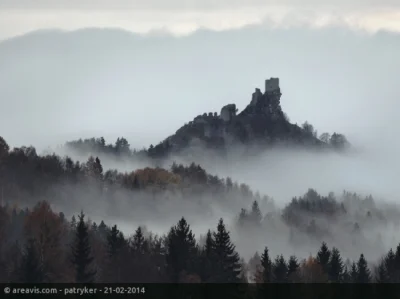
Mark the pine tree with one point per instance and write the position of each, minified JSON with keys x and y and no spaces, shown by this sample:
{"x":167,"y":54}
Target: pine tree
{"x":335,"y":266}
{"x":31,"y":270}
{"x":389,"y":262}
{"x":209,"y":245}
{"x":73,"y":222}
{"x":227,"y":259}
{"x":397,"y":265}
{"x":243,"y":218}
{"x":323,"y":257}
{"x":94,"y":227}
{"x":364,"y":274}
{"x":208,"y":258}
{"x":103,"y":230}
{"x":381,"y":275}
{"x":266,"y":263}
{"x":293,"y":268}
{"x":280,"y":269}
{"x":255,"y":214}
{"x":346,"y":278}
{"x":353,"y":273}
{"x":81,"y":253}
{"x":115,"y":241}
{"x":94,"y":168}
{"x":138,"y":243}
{"x":181,"y":250}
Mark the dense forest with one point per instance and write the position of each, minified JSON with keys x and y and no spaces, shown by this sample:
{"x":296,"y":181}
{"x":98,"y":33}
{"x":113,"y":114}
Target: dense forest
{"x":52,"y":249}
{"x":39,"y":243}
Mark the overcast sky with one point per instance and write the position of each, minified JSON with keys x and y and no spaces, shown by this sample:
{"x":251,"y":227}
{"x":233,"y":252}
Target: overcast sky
{"x":61,"y":85}
{"x":110,"y":82}
{"x":184,"y":16}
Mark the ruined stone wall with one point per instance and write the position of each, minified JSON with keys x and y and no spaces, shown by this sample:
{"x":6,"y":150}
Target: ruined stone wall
{"x":228,"y":112}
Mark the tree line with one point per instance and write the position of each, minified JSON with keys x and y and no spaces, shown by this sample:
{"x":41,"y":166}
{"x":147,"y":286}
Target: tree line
{"x":53,"y":249}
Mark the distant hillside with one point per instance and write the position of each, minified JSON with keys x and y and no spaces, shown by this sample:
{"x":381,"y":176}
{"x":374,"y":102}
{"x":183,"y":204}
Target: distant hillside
{"x":261,"y":123}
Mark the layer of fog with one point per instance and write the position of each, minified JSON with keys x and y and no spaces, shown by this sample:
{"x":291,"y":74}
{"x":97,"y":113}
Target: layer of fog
{"x":281,"y":174}
{"x":58,"y":86}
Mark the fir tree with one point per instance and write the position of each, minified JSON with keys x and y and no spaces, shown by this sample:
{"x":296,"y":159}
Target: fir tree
{"x":353,"y":273}
{"x":346,"y":278}
{"x":73,"y":222}
{"x":323,"y":257}
{"x":81,"y":253}
{"x":381,"y":275}
{"x":208,"y":258}
{"x":293,"y":268}
{"x":94,"y":227}
{"x":138,"y":242}
{"x":280,"y":269}
{"x":396,"y":275}
{"x":243,"y":217}
{"x":335,"y":266}
{"x":255,"y":214}
{"x":31,"y":270}
{"x":115,"y":241}
{"x":364,"y":274}
{"x":266,"y":264}
{"x":181,"y":250}
{"x":389,"y":262}
{"x":209,"y":245}
{"x":102,"y":229}
{"x":227,"y":259}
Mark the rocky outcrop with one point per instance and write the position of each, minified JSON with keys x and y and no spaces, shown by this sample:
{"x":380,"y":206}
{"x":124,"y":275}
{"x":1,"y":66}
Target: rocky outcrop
{"x":261,"y":121}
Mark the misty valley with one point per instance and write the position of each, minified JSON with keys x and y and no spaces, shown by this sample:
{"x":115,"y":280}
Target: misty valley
{"x":209,"y":204}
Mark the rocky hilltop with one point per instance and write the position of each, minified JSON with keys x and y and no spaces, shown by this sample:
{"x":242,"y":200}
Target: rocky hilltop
{"x":262,"y":122}
{"x":260,"y":125}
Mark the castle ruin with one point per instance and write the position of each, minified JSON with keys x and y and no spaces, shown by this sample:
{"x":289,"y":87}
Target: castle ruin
{"x":228,"y":112}
{"x":272,"y":85}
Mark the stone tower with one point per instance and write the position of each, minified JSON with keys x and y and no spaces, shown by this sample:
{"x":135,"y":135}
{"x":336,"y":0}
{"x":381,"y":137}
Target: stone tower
{"x":272,"y":85}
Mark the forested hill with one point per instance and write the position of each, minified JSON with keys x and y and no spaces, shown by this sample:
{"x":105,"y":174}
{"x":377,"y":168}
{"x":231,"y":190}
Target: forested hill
{"x":262,"y":123}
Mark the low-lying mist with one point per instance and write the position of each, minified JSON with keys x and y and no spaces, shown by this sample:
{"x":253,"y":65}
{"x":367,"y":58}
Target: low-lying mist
{"x":281,"y":174}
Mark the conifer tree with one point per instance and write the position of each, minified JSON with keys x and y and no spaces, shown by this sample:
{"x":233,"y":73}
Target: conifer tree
{"x":103,"y":230}
{"x":381,"y":275}
{"x":266,"y":264}
{"x":181,"y":250}
{"x":389,"y":262}
{"x":346,"y":278}
{"x":208,"y":258}
{"x":138,"y":242}
{"x":364,"y":274}
{"x":227,"y":259}
{"x":209,"y":245}
{"x":73,"y":222}
{"x":353,"y":273}
{"x":323,"y":257}
{"x":115,"y":241}
{"x":293,"y":268}
{"x":335,"y":266}
{"x":94,"y":227}
{"x":81,"y":253}
{"x":280,"y":269}
{"x":255,"y":214}
{"x":243,"y":218}
{"x":31,"y":270}
{"x":396,"y":275}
